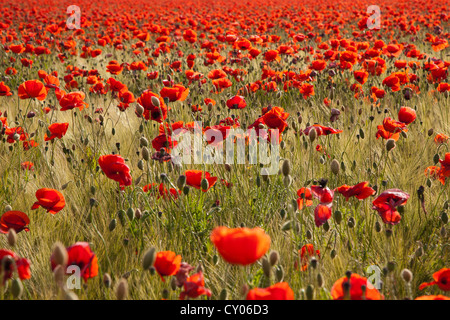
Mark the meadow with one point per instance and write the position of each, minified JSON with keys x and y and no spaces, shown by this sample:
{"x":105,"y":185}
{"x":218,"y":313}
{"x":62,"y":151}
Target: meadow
{"x":358,"y":208}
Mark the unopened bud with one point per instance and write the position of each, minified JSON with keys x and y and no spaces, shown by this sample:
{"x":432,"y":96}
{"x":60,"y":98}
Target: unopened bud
{"x":60,"y":255}
{"x":12,"y":237}
{"x":406,"y":275}
{"x":122,"y":289}
{"x":335,"y":166}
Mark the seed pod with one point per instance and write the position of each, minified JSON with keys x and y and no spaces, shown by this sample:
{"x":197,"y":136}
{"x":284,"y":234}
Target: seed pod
{"x":107,"y":280}
{"x":267,"y":268}
{"x":149,"y":258}
{"x":59,"y":254}
{"x":12,"y":237}
{"x":334,"y":166}
{"x":16,"y":288}
{"x":122,"y":289}
{"x":274,"y":257}
{"x":112,"y":224}
{"x":145,"y":153}
{"x":286,"y":168}
{"x":406,"y":275}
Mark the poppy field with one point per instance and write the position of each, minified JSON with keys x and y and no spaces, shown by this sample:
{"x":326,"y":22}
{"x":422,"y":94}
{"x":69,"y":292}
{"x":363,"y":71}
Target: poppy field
{"x":351,"y":104}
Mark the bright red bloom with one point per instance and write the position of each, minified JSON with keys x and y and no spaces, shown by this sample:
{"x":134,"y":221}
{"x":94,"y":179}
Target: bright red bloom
{"x":236,"y":102}
{"x":80,"y":255}
{"x":115,"y":168}
{"x":437,"y":297}
{"x":241,"y":246}
{"x":157,"y":111}
{"x":194,"y":179}
{"x":355,"y":292}
{"x":321,"y":214}
{"x":306,"y":253}
{"x":50,"y":199}
{"x":194,"y":286}
{"x":406,"y":115}
{"x":386,"y":204}
{"x":57,"y":130}
{"x":360,"y":191}
{"x":305,"y":198}
{"x":176,"y":93}
{"x":32,"y":89}
{"x":441,"y":279}
{"x":4,"y":90}
{"x":16,"y":220}
{"x":321,"y":130}
{"x":278,"y":291}
{"x":73,"y":100}
{"x":7,"y":269}
{"x":167,"y":263}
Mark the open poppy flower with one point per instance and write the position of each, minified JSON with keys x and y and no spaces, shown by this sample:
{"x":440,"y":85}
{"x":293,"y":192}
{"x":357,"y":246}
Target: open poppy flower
{"x":360,"y":191}
{"x":321,"y":130}
{"x":155,"y":112}
{"x":441,"y":279}
{"x":321,"y":214}
{"x":32,"y":89}
{"x":4,"y":90}
{"x":304,"y":198}
{"x":278,"y":291}
{"x":241,"y":246}
{"x":386,"y":204}
{"x":16,"y":220}
{"x":57,"y":130}
{"x":72,"y":100}
{"x":167,"y":263}
{"x":194,"y":179}
{"x":50,"y":199}
{"x":355,"y":291}
{"x":437,"y":297}
{"x":176,"y":93}
{"x":80,"y":255}
{"x":7,"y":269}
{"x":115,"y":168}
{"x":236,"y":102}
{"x":406,"y":115}
{"x":306,"y":253}
{"x":194,"y":286}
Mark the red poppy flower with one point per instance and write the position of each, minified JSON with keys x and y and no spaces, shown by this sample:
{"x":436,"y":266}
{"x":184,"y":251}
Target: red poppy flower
{"x":321,"y":214}
{"x":57,"y":130}
{"x":386,"y":204}
{"x":176,"y":93}
{"x":321,"y":130}
{"x":115,"y":168}
{"x":73,"y":100}
{"x":167,"y":263}
{"x":437,"y":297}
{"x":4,"y":90}
{"x":278,"y":291}
{"x":32,"y":89}
{"x":236,"y":102}
{"x":80,"y":255}
{"x":16,"y":220}
{"x":194,"y":286}
{"x":360,"y":191}
{"x":27,"y":165}
{"x":7,"y":269}
{"x":241,"y":246}
{"x":341,"y":291}
{"x":50,"y":199}
{"x":441,"y":279}
{"x":306,"y":253}
{"x":194,"y":179}
{"x":305,"y":198}
{"x":155,"y":112}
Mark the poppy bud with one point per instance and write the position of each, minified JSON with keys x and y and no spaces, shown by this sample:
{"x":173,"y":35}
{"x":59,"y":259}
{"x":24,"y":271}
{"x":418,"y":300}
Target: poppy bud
{"x":333,"y":254}
{"x":12,"y":237}
{"x":313,"y":263}
{"x":205,"y":184}
{"x":279,"y":273}
{"x":337,"y":216}
{"x":122,"y":289}
{"x":308,"y":235}
{"x":149,"y":258}
{"x":334,"y":166}
{"x":121,"y":215}
{"x":138,"y":214}
{"x":145,"y":153}
{"x":140,"y":164}
{"x":143,"y":142}
{"x":58,"y":275}
{"x":155,"y":101}
{"x":309,"y":292}
{"x":436,"y":158}
{"x":223,"y":294}
{"x":186,"y":190}
{"x":130,"y":213}
{"x":342,"y":166}
{"x":319,"y":280}
{"x":444,"y":217}
{"x":274,"y":257}
{"x":8,"y":208}
{"x":107,"y":280}
{"x":286,"y":168}
{"x":267,"y":268}
{"x":429,"y":183}
{"x":377,"y":226}
{"x":326,"y":226}
{"x":70,"y":295}
{"x":16,"y":288}
{"x":181,"y":181}
{"x":112,"y":224}
{"x":139,"y":109}
{"x":287,"y":180}
{"x":390,"y":144}
{"x":406,"y":275}
{"x":351,"y":222}
{"x":60,"y":255}
{"x":312,"y":135}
